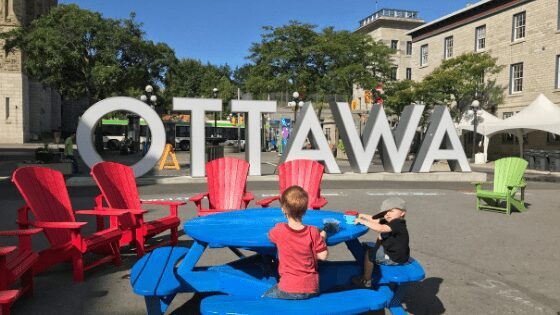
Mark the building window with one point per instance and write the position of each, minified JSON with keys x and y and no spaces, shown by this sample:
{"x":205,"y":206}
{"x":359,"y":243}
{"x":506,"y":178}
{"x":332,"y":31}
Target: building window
{"x":424,"y":55}
{"x":409,"y":47}
{"x":7,"y":107}
{"x":394,"y":44}
{"x":558,"y":72}
{"x":516,"y":78}
{"x":519,"y":26}
{"x":480,"y":35}
{"x":409,"y":73}
{"x":328,"y":134}
{"x":448,"y":47}
{"x":394,"y":73}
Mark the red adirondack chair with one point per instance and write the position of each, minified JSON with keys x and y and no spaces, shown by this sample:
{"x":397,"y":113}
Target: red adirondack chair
{"x":46,"y":196}
{"x":7,"y":297}
{"x":118,"y":189}
{"x":16,"y":264}
{"x":304,"y":173}
{"x":227,"y":184}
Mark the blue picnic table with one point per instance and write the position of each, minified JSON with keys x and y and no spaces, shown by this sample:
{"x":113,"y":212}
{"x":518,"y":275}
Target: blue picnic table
{"x":166,"y":271}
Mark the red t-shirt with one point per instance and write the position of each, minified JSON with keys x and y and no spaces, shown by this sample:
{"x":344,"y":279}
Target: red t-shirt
{"x":297,"y":252}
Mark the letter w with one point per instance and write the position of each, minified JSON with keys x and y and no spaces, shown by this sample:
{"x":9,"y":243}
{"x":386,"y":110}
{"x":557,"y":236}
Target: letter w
{"x":394,"y":144}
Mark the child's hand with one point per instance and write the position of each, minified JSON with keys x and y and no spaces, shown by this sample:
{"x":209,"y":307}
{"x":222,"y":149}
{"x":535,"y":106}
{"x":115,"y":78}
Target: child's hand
{"x":323,"y":234}
{"x":364,"y":216}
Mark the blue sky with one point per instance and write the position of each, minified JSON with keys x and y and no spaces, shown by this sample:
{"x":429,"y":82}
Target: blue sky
{"x":221,"y":31}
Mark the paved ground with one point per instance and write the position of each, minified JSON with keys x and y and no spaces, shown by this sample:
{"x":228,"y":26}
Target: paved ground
{"x":475,"y":262}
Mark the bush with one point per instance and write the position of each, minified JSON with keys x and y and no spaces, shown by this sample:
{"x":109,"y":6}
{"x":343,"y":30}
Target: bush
{"x":340,"y":146}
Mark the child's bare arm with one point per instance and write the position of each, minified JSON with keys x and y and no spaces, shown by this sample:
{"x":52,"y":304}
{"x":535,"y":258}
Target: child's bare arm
{"x":373,"y":224}
{"x":323,"y":255}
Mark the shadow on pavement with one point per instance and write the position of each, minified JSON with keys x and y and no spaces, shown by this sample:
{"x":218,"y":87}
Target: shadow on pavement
{"x":421,"y":297}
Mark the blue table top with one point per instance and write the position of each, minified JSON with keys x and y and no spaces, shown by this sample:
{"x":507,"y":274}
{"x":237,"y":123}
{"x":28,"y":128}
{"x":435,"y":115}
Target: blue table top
{"x":249,"y":228}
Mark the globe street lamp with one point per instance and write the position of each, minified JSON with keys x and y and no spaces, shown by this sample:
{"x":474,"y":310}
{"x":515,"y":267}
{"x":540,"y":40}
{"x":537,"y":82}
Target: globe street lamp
{"x":215,"y":95}
{"x":149,"y":98}
{"x":295,"y":104}
{"x":474,"y":106}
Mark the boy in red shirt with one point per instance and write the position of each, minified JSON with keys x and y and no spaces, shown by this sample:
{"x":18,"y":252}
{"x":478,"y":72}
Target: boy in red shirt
{"x":299,"y":248}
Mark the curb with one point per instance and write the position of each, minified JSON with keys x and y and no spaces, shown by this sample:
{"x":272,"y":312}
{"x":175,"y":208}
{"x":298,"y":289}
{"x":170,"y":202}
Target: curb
{"x":382,"y":176}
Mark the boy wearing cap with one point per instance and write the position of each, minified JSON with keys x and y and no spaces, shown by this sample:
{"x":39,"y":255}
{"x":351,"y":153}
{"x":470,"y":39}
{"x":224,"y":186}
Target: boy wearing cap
{"x":391,"y":247}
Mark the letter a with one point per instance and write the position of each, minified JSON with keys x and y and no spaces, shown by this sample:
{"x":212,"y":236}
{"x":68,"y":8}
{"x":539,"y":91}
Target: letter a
{"x":440,"y":125}
{"x":307,"y":122}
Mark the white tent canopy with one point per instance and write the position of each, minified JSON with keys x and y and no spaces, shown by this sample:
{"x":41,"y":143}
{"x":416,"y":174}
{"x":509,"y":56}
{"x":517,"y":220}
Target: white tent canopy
{"x":485,"y":121}
{"x":541,"y":114}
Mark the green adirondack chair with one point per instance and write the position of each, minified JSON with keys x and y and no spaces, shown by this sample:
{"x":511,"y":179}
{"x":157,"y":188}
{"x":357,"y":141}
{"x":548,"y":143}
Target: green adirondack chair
{"x":508,"y":180}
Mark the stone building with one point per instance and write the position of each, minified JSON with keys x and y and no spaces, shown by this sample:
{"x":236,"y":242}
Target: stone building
{"x":27,"y":108}
{"x":390,"y":27}
{"x":524,"y":36}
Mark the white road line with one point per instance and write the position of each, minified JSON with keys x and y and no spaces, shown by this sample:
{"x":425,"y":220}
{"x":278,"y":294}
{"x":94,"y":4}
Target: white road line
{"x":4,"y":177}
{"x":341,"y":194}
{"x":269,"y":163}
{"x":404,"y":193}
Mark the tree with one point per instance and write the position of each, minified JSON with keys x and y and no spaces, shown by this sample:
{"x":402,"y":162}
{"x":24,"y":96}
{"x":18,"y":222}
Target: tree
{"x":295,"y":57}
{"x":465,"y":77}
{"x":190,"y":78}
{"x":81,"y":54}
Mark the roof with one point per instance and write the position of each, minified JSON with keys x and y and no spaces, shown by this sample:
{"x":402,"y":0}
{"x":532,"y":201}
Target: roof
{"x":445,"y":17}
{"x":462,"y":17}
{"x":541,"y":115}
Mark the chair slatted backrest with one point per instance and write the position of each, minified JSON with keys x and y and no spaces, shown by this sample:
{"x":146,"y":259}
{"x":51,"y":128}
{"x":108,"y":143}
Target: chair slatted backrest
{"x":508,"y":171}
{"x":227,"y":181}
{"x":304,"y":173}
{"x":118,"y":186}
{"x":44,"y":191}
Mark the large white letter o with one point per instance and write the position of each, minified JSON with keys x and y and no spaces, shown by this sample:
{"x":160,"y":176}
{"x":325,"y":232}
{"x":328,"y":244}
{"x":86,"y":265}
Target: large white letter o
{"x":88,"y":122}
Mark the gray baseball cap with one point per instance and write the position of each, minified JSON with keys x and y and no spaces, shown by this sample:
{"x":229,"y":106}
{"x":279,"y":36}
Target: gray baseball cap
{"x":390,"y":203}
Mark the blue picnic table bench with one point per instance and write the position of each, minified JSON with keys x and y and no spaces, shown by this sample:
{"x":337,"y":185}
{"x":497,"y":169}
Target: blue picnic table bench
{"x":167,"y":271}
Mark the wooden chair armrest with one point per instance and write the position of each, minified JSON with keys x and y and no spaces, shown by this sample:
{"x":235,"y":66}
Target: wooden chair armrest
{"x":106,"y":213}
{"x":25,"y":232}
{"x":265,"y":202}
{"x":198,"y":197}
{"x":163,"y":202}
{"x":516,"y":186}
{"x":6,"y":250}
{"x":8,"y":296}
{"x":131,"y":211}
{"x":248,"y":196}
{"x":59,"y":225}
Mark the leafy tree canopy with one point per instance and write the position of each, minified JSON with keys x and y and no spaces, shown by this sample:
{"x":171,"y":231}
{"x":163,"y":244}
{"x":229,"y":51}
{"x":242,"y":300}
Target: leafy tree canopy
{"x":82,"y":54}
{"x":295,"y":57}
{"x":466,"y":77}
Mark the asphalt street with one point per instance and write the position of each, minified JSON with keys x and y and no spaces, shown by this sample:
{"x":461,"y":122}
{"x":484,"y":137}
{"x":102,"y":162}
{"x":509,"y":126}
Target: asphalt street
{"x":475,"y":262}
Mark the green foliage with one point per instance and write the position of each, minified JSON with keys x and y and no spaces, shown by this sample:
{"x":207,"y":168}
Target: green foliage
{"x":295,"y":57}
{"x":464,"y":77}
{"x":82,"y":54}
{"x":190,"y":78}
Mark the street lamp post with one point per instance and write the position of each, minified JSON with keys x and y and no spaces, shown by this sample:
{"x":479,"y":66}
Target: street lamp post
{"x":474,"y":105}
{"x":150,"y":98}
{"x":295,"y":103}
{"x":215,"y":95}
